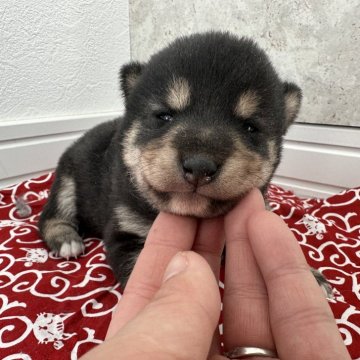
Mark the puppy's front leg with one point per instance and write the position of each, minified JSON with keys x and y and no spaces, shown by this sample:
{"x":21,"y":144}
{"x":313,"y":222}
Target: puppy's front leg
{"x":58,"y":221}
{"x":122,"y":251}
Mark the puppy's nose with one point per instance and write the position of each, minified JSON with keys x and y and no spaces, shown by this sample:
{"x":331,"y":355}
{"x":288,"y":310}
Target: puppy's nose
{"x":199,"y":169}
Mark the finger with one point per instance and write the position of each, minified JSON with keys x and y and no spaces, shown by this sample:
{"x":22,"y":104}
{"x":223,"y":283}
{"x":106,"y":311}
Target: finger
{"x":168,"y":235}
{"x":178,"y":322}
{"x":246,"y":316}
{"x":209,"y":243}
{"x":301,"y":320}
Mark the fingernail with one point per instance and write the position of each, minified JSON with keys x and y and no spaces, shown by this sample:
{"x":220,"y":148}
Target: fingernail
{"x":176,"y":265}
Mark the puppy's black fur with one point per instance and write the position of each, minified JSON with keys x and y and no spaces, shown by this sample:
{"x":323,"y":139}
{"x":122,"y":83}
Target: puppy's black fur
{"x":204,"y":123}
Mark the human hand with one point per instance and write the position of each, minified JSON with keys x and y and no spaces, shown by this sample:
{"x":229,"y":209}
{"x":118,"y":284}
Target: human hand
{"x":271,"y":300}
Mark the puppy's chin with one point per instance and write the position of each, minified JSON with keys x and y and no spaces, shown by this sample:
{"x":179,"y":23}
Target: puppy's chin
{"x":182,"y":199}
{"x":190,"y":204}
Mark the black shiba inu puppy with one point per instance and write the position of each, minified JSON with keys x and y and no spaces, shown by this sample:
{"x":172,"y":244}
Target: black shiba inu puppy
{"x":204,"y":123}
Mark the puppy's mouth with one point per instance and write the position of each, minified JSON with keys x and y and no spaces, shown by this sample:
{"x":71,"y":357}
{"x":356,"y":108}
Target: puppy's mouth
{"x":189,"y":200}
{"x":188,"y":190}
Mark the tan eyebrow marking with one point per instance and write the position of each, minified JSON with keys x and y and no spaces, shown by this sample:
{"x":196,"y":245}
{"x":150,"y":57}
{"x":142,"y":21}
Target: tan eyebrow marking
{"x":247,"y":104}
{"x":178,"y":96}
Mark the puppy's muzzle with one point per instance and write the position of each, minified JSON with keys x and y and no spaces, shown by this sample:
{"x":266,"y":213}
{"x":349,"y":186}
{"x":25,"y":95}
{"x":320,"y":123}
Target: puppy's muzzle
{"x":199,"y":169}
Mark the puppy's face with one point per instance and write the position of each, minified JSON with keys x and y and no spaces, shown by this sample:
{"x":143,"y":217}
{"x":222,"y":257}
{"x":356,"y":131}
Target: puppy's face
{"x":204,"y":123}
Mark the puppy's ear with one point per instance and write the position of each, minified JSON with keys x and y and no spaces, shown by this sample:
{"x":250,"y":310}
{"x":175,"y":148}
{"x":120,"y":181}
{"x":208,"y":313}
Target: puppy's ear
{"x":129,"y":75}
{"x":292,"y":99}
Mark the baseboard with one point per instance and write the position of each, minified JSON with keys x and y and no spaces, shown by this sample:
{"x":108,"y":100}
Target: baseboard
{"x":31,"y":147}
{"x":319,"y":161}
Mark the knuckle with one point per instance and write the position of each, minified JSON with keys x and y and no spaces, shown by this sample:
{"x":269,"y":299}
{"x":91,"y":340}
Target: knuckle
{"x":287,"y":272}
{"x":253,"y":291}
{"x":303,"y":320}
{"x":237,"y":235}
{"x":141,"y":289}
{"x":207,"y":249}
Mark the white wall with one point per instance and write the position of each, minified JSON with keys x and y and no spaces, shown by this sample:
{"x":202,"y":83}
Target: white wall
{"x":59,"y":64}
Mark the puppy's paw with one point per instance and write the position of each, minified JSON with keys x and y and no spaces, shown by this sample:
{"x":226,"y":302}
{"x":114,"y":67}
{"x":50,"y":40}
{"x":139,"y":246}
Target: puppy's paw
{"x":323,"y":283}
{"x":73,"y":248}
{"x":62,"y":238}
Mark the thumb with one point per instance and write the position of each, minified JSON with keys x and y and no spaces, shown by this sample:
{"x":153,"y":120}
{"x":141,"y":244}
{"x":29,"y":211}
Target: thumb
{"x":180,"y":321}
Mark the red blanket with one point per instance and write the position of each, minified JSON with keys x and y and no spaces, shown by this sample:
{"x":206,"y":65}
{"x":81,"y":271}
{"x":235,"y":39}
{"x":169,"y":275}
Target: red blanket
{"x":51,"y":308}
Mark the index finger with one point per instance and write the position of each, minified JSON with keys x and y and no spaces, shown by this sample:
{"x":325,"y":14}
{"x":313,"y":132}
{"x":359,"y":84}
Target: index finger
{"x":168,"y":235}
{"x":301,"y":320}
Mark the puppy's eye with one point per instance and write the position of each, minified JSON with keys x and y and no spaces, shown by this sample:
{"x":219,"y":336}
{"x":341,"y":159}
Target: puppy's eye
{"x":250,"y":127}
{"x":165,"y":117}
